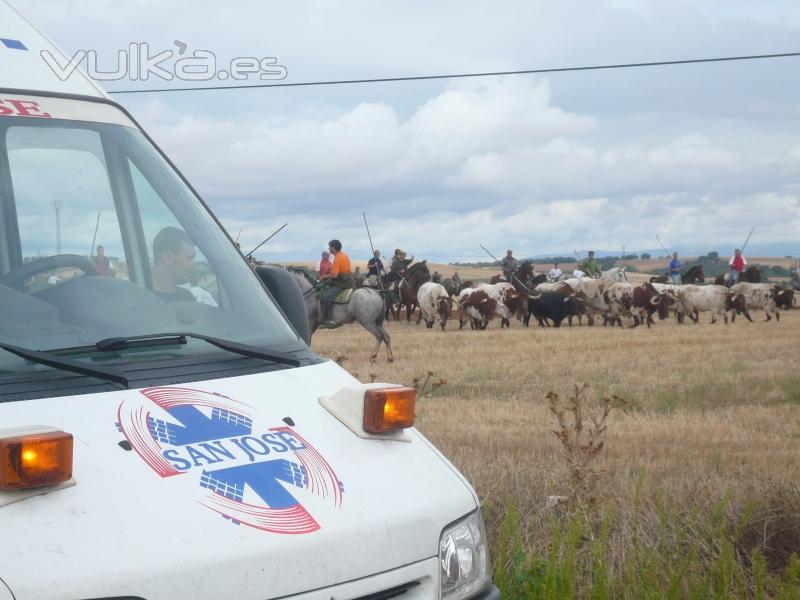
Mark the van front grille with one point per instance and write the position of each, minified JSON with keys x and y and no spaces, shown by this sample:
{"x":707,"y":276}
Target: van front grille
{"x":391,"y":592}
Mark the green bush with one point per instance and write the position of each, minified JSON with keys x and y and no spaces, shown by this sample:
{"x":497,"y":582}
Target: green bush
{"x":691,"y":556}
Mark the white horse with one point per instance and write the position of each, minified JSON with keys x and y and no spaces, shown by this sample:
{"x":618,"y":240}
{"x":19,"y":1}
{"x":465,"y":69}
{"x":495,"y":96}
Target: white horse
{"x":616,"y":273}
{"x":365,"y":306}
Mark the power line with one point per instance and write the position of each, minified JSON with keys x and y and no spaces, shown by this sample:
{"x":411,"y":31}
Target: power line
{"x":663,"y":63}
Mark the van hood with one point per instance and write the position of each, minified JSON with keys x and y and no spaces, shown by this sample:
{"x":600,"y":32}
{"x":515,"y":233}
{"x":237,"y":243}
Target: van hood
{"x":242,"y":487}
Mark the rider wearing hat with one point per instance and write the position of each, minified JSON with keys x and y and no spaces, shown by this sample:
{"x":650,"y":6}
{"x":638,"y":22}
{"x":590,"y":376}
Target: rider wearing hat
{"x":509,"y":265}
{"x":400,"y":263}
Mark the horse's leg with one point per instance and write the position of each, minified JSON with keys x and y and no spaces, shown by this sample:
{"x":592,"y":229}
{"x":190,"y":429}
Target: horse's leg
{"x":373,"y":329}
{"x":386,"y":340}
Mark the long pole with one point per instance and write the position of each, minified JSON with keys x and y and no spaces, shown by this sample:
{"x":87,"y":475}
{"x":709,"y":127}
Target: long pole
{"x":748,"y":239}
{"x":94,"y":239}
{"x":372,"y":248}
{"x":497,"y":260}
{"x":266,"y":240}
{"x":662,"y":246}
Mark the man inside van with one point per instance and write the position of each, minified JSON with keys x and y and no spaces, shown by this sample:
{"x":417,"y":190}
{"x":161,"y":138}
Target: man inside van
{"x":173,"y":258}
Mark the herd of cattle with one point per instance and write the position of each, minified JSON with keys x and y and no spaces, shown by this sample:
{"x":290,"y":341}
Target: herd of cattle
{"x":611,"y":298}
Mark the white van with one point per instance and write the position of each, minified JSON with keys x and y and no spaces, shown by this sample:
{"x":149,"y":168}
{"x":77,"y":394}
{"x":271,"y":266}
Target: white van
{"x":162,"y":439}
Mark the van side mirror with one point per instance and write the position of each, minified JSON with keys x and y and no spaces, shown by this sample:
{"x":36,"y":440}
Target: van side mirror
{"x":287,"y":294}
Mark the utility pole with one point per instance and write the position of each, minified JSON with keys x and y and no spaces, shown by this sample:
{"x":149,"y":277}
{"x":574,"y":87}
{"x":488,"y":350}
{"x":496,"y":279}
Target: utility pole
{"x":57,"y":207}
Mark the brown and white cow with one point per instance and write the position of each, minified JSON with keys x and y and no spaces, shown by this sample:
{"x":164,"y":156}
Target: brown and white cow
{"x":619,"y":298}
{"x":510,"y":301}
{"x":759,"y":296}
{"x":477,"y":306}
{"x":716,"y":299}
{"x":434,"y":303}
{"x":648,"y":300}
{"x":784,"y":298}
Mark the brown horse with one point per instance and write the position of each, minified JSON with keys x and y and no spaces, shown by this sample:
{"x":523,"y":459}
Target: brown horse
{"x":522,"y":279}
{"x":692,"y":275}
{"x":415,"y":276}
{"x":749,"y":275}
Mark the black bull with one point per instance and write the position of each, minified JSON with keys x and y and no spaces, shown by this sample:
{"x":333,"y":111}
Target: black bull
{"x":555,"y":306}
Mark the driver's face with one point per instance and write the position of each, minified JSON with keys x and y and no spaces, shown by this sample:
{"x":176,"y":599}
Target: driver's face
{"x":183,"y":263}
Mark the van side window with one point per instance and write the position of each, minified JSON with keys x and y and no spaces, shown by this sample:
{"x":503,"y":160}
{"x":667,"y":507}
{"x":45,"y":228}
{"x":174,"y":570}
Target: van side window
{"x":59,"y":176}
{"x":160,"y":224}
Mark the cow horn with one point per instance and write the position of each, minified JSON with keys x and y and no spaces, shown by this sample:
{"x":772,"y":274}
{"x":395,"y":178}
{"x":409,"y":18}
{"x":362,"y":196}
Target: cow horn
{"x":655,"y":300}
{"x":535,"y":296}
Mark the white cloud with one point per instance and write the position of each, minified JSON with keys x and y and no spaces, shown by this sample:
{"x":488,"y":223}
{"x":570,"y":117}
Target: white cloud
{"x":580,"y":159}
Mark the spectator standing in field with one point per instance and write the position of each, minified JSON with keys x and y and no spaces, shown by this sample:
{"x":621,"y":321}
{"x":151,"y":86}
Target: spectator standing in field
{"x":675,"y":269}
{"x":737,"y":263}
{"x":325,"y":264}
{"x":555,"y":273}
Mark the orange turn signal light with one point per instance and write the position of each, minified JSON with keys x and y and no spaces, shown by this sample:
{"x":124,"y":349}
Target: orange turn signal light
{"x":389,"y":409}
{"x":35,"y":460}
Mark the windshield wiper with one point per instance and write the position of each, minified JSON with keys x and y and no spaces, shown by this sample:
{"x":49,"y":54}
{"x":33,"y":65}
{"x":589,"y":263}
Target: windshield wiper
{"x":66,"y":364}
{"x":116,"y":344}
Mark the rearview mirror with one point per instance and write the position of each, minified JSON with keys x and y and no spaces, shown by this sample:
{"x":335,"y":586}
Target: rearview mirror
{"x":287,"y":294}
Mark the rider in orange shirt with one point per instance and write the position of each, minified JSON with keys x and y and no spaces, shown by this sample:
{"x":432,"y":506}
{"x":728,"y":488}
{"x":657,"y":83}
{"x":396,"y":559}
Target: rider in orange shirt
{"x":339,"y":278}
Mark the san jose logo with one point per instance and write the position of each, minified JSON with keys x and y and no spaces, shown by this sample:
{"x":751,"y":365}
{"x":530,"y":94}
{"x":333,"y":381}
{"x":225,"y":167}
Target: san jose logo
{"x":246,"y":471}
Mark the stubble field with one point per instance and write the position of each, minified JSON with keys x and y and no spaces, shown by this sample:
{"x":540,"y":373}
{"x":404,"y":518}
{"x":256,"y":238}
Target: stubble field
{"x":711,"y":422}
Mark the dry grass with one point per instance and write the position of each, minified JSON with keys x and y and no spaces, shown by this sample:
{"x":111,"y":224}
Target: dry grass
{"x":712,"y":411}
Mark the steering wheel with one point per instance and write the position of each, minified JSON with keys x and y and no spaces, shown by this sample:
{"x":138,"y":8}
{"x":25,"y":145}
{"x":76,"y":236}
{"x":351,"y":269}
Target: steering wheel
{"x":49,"y":263}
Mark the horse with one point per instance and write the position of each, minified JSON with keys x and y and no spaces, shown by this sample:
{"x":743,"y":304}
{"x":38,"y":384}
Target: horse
{"x":453,"y":284}
{"x":616,"y":273}
{"x":749,"y":275}
{"x":523,"y":275}
{"x":365,"y":306}
{"x":409,"y":285}
{"x":693,"y":275}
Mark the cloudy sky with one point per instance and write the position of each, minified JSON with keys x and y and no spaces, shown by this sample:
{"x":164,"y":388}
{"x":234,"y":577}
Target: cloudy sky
{"x":542,"y":164}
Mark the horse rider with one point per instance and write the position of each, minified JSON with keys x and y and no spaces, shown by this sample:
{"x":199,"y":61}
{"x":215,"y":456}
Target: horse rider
{"x":400,"y":263}
{"x":374,"y":269}
{"x":737,"y":265}
{"x":509,"y":265}
{"x":675,"y":269}
{"x":590,"y":266}
{"x":325,"y":263}
{"x":555,"y":273}
{"x":339,"y":278}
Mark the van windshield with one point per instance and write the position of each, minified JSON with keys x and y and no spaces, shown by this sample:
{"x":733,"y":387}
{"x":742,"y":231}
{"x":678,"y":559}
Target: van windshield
{"x":101,"y":239}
